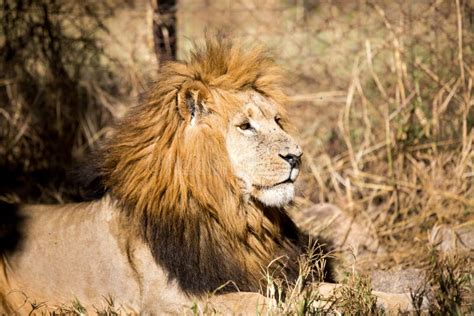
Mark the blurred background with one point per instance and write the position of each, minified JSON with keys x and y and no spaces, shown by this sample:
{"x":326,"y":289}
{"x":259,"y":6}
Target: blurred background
{"x":381,"y":92}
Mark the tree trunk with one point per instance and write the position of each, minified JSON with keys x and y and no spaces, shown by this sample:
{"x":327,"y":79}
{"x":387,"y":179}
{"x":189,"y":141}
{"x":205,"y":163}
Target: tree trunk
{"x":164,"y":29}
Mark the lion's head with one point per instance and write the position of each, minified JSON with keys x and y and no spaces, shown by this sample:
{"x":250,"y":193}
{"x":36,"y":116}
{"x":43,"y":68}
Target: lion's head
{"x":211,"y":128}
{"x":205,"y":166}
{"x":265,"y":158}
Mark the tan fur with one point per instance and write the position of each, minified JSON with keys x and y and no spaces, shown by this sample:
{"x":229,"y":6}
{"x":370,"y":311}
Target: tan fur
{"x":178,"y":217}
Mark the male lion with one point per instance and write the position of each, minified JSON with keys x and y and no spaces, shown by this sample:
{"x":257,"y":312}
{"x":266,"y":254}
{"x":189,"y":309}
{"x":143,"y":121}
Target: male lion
{"x":197,"y":179}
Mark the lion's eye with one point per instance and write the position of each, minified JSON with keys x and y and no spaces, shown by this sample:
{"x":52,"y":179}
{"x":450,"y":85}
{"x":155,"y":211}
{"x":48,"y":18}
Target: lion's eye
{"x":278,"y":121}
{"x":245,"y":126}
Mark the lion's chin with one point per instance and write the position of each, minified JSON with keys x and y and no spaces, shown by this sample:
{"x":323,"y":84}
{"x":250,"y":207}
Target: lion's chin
{"x":278,"y":195}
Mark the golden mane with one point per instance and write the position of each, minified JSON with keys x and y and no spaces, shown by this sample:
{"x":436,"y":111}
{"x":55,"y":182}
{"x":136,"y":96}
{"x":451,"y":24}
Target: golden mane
{"x":177,"y":187}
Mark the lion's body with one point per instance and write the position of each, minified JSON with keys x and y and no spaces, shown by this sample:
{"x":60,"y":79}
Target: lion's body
{"x":197,"y":180}
{"x":84,"y":252}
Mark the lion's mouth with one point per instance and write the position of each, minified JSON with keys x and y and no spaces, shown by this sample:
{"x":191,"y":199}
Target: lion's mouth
{"x":263,"y":187}
{"x":286,"y":181}
{"x":289,"y":180}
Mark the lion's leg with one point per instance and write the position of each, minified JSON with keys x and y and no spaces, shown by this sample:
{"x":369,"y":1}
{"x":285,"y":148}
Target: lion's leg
{"x":10,"y":301}
{"x":390,"y":302}
{"x":247,"y":303}
{"x":243,"y":303}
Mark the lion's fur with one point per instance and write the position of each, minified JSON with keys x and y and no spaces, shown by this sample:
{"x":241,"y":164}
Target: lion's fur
{"x":176,"y":187}
{"x":182,"y":196}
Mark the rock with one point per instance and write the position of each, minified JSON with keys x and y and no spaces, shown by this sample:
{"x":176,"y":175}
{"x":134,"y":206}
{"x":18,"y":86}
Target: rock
{"x":450,"y":239}
{"x":350,"y":235}
{"x":403,"y":281}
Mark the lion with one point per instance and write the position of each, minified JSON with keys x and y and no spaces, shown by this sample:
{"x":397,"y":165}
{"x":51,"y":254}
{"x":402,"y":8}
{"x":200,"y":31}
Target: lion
{"x":197,"y":179}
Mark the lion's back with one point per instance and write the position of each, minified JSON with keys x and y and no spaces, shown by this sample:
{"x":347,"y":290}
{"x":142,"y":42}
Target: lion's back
{"x":63,"y":252}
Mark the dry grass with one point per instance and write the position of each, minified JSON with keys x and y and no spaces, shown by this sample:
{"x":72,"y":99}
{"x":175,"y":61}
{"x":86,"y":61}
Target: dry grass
{"x":408,"y":160}
{"x":59,"y":89}
{"x":448,"y":286}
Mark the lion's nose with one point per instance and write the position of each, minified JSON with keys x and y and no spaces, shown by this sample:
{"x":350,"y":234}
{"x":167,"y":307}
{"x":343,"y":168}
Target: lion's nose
{"x":293,"y":160}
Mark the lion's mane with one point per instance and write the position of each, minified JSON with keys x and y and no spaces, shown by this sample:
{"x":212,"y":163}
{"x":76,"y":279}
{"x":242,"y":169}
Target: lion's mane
{"x":184,"y":201}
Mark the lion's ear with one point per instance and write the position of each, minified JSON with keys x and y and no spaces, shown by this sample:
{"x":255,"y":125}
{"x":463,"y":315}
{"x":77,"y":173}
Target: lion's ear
{"x":192,"y":102}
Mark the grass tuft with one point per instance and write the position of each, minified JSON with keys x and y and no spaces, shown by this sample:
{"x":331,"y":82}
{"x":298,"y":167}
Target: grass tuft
{"x":356,"y":297}
{"x":450,"y":282}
